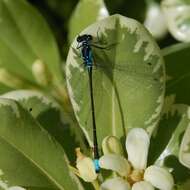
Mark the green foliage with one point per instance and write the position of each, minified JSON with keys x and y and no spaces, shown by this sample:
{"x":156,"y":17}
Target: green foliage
{"x":49,"y":115}
{"x":38,"y":130}
{"x":24,"y":39}
{"x":165,"y":144}
{"x":185,"y":148}
{"x":177,"y":70}
{"x":24,"y":143}
{"x":87,"y":16}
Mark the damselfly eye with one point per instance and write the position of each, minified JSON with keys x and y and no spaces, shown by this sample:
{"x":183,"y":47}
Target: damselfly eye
{"x":89,"y":37}
{"x":79,"y":39}
{"x":85,"y":37}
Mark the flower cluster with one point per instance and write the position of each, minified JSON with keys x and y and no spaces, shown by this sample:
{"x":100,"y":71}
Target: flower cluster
{"x":131,"y":173}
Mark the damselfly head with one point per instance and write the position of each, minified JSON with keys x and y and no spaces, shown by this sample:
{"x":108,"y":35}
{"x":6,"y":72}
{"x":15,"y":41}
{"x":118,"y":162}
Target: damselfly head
{"x":84,"y":37}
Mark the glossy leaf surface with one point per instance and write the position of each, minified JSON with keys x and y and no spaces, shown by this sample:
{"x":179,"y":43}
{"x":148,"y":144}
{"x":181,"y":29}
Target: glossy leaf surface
{"x":128,"y":80}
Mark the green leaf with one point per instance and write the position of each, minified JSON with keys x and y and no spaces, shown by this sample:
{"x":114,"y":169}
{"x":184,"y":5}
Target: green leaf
{"x":29,"y":155}
{"x":50,"y":116}
{"x":165,"y":144}
{"x":86,"y":13}
{"x":128,"y":85}
{"x":178,"y":73}
{"x":25,"y":39}
{"x":184,"y":154}
{"x":4,"y":88}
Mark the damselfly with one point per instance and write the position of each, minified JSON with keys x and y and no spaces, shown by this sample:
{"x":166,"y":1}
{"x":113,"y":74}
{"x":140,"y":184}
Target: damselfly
{"x":136,"y":72}
{"x":85,"y":44}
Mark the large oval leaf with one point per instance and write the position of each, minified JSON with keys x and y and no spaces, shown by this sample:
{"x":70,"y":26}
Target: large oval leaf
{"x":25,"y":39}
{"x":51,"y":117}
{"x":129,"y":86}
{"x":30,"y":157}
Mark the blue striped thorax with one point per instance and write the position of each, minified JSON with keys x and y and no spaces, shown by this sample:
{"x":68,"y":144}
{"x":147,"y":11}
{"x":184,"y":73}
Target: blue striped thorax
{"x":97,"y":165}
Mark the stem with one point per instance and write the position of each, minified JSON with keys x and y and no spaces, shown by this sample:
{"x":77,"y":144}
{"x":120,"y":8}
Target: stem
{"x":74,"y":170}
{"x":96,"y":185}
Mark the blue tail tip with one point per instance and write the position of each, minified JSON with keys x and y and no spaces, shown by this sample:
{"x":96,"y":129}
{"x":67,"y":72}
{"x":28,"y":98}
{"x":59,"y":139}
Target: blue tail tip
{"x":97,"y":165}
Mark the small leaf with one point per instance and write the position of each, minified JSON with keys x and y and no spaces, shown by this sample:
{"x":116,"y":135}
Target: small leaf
{"x":128,"y":85}
{"x":24,"y":143}
{"x":86,"y":13}
{"x":184,"y":154}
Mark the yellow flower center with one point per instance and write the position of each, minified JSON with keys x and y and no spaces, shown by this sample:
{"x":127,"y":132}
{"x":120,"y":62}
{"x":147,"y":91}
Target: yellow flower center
{"x":135,"y":176}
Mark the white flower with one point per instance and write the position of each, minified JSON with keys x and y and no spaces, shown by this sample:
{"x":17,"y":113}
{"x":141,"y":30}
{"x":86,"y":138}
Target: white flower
{"x":154,"y":13}
{"x":139,"y":176}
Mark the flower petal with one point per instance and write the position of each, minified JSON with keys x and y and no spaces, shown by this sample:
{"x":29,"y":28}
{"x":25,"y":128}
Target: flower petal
{"x":137,"y":144}
{"x":142,"y":185}
{"x":116,"y":163}
{"x":85,"y":166}
{"x":86,"y":169}
{"x":112,"y":145}
{"x":159,"y":177}
{"x":115,"y":183}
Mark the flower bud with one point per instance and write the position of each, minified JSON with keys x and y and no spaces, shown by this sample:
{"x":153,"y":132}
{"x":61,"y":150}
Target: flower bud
{"x":41,"y":73}
{"x":112,"y":145}
{"x":86,"y":167}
